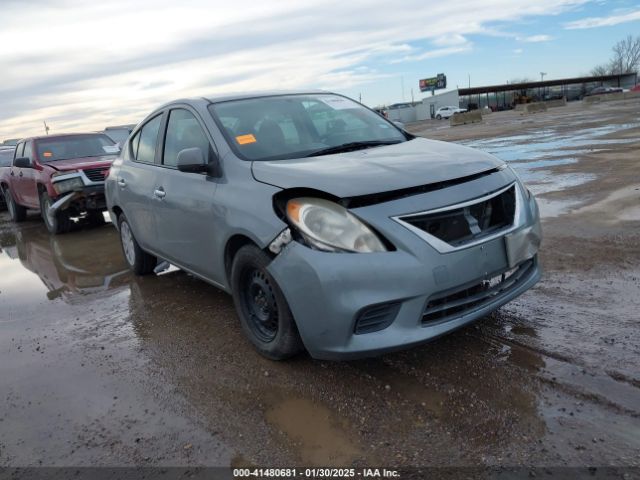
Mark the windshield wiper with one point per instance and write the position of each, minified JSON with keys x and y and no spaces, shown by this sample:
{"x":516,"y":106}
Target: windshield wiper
{"x":351,"y":146}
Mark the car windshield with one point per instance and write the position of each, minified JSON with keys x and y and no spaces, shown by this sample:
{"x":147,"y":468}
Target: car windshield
{"x":6,"y":156}
{"x":295,"y":126}
{"x":75,"y":146}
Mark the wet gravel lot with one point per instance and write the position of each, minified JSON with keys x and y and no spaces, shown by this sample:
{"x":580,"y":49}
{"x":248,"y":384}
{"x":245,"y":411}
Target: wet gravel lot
{"x":100,"y":368}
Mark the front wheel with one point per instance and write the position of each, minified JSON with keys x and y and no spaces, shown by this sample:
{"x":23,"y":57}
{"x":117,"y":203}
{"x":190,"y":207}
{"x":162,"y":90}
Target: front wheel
{"x":264,"y":313}
{"x":139,"y":261}
{"x":56,"y":222}
{"x":439,"y":117}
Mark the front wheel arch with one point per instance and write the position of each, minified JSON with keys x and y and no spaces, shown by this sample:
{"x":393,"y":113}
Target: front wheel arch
{"x":233,"y":245}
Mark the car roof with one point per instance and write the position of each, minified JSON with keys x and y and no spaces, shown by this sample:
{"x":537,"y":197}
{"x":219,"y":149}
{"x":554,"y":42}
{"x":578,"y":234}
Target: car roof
{"x":227,"y":97}
{"x":59,"y":135}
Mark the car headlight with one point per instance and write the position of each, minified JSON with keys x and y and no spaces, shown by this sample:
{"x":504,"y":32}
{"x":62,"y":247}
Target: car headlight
{"x":68,"y":184}
{"x":328,"y":226}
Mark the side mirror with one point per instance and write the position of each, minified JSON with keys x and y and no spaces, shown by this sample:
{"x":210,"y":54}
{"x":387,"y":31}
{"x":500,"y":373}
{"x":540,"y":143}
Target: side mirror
{"x":22,"y":162}
{"x":193,"y":160}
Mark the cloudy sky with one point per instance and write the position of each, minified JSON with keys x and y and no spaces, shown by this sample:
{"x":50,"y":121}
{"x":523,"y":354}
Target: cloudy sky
{"x":82,"y":65}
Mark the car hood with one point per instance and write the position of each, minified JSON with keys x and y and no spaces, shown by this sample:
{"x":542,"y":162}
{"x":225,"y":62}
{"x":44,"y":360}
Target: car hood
{"x":82,"y":163}
{"x":375,"y":170}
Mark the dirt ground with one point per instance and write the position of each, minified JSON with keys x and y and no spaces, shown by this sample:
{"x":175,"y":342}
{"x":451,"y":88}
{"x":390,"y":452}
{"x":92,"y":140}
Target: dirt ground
{"x":100,"y":368}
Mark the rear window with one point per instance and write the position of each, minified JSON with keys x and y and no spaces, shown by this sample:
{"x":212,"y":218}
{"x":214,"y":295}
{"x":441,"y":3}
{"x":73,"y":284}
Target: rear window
{"x":6,"y":156}
{"x":75,"y":146}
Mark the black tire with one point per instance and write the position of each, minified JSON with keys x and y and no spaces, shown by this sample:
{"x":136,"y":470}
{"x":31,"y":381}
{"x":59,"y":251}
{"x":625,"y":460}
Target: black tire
{"x":18,"y":213}
{"x":439,"y":117}
{"x":57,"y":223}
{"x":95,"y":218}
{"x":264,"y":313}
{"x":140,"y":262}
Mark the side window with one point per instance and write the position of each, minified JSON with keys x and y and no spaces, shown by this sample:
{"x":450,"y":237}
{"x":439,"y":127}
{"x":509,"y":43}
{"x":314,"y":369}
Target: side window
{"x":27,"y":150}
{"x":183,"y":131}
{"x":146,"y":150}
{"x":19,"y":150}
{"x":132,"y":151}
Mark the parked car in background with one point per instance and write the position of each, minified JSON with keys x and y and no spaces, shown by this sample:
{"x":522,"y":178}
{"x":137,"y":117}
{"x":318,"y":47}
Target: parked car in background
{"x":6,"y":156}
{"x":603,"y":91}
{"x":332,"y":228}
{"x":635,"y":89}
{"x":446,"y":112}
{"x":12,"y":142}
{"x":60,"y":175}
{"x":119,"y":133}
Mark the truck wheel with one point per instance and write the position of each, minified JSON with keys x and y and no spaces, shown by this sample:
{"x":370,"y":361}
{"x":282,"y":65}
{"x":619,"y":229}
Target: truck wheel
{"x":17,"y":212}
{"x":139,"y":261}
{"x":264,"y":313}
{"x":57,"y":222}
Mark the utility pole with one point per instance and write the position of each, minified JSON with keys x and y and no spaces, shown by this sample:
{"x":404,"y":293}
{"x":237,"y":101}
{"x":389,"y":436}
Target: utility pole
{"x":402,"y":85}
{"x":46,"y":127}
{"x":542,"y":74}
{"x":469,"y":80}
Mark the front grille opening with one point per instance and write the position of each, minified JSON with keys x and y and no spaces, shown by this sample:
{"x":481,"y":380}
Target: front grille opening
{"x":469,"y":223}
{"x":376,"y":317}
{"x":96,"y":174}
{"x":474,"y":297}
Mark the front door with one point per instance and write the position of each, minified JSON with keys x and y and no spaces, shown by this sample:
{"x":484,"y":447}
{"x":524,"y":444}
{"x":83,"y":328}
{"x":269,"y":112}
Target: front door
{"x":184,"y":205}
{"x":24,"y":181}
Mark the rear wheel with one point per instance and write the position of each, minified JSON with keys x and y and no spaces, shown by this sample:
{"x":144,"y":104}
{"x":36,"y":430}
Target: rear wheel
{"x":264,"y":313}
{"x":439,"y":117}
{"x":139,"y":261}
{"x":17,"y":212}
{"x":56,"y":222}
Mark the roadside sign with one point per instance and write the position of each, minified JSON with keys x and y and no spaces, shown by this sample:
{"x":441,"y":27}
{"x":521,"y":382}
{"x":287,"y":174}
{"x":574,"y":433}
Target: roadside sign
{"x":434,"y":83}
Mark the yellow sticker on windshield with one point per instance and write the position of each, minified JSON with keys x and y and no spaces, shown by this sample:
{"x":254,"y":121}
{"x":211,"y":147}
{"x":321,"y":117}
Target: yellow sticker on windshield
{"x":47,"y":154}
{"x":244,"y":139}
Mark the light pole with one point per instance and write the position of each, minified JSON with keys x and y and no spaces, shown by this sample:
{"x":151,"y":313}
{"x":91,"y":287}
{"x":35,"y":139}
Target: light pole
{"x":542,"y":74}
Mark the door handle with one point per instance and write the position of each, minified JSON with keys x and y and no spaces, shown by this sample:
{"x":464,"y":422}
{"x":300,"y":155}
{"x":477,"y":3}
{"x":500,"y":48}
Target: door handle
{"x":159,"y":193}
{"x":122,"y":182}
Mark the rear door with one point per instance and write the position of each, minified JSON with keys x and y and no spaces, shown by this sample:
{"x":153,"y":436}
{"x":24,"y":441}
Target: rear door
{"x":136,"y":181}
{"x":184,"y":202}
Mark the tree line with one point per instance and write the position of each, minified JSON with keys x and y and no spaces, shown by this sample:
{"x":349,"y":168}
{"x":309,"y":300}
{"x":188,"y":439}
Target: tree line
{"x":625,"y":58}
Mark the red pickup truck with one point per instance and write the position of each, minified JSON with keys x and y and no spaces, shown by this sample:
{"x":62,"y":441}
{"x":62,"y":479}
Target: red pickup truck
{"x":60,"y":175}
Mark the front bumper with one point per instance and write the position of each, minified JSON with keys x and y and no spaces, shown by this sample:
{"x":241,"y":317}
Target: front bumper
{"x":325,"y":295}
{"x":88,"y":195}
{"x":327,"y":292}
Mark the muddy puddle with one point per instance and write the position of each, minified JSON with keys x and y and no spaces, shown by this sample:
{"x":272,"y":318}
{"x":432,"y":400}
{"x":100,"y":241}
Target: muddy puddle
{"x":314,"y":431}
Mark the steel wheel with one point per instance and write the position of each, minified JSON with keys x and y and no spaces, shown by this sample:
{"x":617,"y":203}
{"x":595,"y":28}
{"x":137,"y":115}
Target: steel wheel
{"x":261,"y":305}
{"x":262,"y":308}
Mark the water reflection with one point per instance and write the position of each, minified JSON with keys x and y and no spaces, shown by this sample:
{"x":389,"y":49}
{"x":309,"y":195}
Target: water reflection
{"x":69,"y":266}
